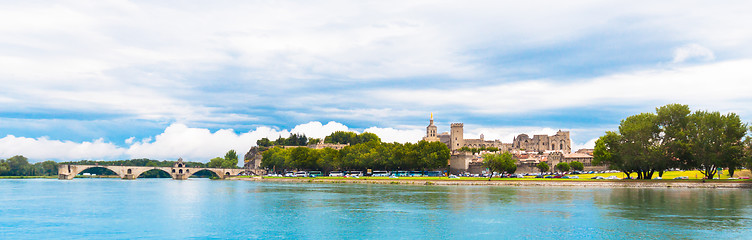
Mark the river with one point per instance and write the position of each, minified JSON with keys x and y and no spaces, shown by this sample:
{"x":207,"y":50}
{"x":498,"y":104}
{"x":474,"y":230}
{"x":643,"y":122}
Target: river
{"x":222,"y":209}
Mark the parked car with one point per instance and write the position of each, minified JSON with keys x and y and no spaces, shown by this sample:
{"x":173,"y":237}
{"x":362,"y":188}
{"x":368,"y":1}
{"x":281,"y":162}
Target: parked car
{"x":336,"y":174}
{"x":549,"y":176}
{"x":289,"y":174}
{"x":612,"y":177}
{"x":354,"y":174}
{"x":315,"y":174}
{"x":574,"y":177}
{"x":539,"y":176}
{"x":301,"y":174}
{"x":681,"y":177}
{"x":657,"y":178}
{"x":598,"y":177}
{"x":453,"y":176}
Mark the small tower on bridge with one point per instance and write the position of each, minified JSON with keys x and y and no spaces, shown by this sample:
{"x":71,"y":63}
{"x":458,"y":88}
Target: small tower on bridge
{"x":179,"y":163}
{"x":179,"y":170}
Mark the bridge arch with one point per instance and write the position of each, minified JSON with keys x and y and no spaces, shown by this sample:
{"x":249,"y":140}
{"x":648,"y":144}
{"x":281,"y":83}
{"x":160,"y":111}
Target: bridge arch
{"x":152,"y":169}
{"x":196,"y":171}
{"x":79,"y":171}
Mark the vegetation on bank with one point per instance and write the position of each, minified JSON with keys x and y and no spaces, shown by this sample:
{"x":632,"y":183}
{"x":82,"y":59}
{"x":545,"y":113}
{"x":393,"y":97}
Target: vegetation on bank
{"x":229,"y":161}
{"x":692,"y":176}
{"x":366,"y":151}
{"x":500,"y":163}
{"x":478,"y":150}
{"x":673,"y":137}
{"x":20,"y":166}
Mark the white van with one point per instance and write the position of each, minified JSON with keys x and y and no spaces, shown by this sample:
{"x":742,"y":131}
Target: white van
{"x":336,"y":174}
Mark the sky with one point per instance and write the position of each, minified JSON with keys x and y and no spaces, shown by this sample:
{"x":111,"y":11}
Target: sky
{"x":107,"y":80}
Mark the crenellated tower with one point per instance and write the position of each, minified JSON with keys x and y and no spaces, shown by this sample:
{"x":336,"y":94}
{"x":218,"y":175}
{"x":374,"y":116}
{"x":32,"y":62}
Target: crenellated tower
{"x":457,"y":136}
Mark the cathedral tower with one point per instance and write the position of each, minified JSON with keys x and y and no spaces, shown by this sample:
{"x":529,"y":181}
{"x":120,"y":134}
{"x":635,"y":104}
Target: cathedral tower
{"x":431,"y":132}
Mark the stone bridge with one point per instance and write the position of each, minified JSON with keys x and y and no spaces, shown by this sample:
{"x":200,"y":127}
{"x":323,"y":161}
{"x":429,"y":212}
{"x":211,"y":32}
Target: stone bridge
{"x":179,"y":171}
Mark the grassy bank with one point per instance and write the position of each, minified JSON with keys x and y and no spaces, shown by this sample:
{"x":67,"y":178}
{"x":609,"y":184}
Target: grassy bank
{"x":24,"y":177}
{"x":694,"y":176}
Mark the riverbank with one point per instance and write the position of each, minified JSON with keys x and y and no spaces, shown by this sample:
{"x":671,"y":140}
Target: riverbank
{"x":518,"y":182}
{"x":25,"y":177}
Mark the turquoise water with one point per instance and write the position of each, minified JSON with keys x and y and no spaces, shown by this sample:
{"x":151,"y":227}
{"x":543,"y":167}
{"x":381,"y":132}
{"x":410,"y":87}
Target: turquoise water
{"x":206,"y":209}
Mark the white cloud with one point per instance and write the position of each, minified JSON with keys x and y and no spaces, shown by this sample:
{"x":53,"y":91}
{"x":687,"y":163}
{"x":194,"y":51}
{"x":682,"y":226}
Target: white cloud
{"x":590,"y":144}
{"x":317,"y":130}
{"x":200,"y":144}
{"x":692,"y":51}
{"x":722,"y":85}
{"x":143,"y":58}
{"x":177,"y":140}
{"x":44,"y":148}
{"x":397,"y":135}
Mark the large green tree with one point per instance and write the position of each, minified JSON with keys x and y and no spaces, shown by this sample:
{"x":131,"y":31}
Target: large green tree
{"x":230,"y":160}
{"x":715,"y":141}
{"x":216,"y":162}
{"x":577,"y":166}
{"x":542,"y":167}
{"x":673,"y":145}
{"x":635,"y":148}
{"x":501,"y":163}
{"x":562,"y":167}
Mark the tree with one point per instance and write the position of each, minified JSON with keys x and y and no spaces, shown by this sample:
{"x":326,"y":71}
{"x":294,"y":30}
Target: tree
{"x":264,"y":142}
{"x":578,"y":166}
{"x":715,"y":141}
{"x":542,"y":167}
{"x":216,"y":162}
{"x":47,"y":168}
{"x":562,"y":167}
{"x":312,"y":141}
{"x":18,"y":166}
{"x":500,"y":163}
{"x":634,"y":148}
{"x":673,"y":121}
{"x":230,"y":160}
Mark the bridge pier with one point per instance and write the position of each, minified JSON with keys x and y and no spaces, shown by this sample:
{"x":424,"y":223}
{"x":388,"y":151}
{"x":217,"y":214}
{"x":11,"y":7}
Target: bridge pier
{"x":130,"y":177}
{"x":180,"y":176}
{"x":65,"y":176}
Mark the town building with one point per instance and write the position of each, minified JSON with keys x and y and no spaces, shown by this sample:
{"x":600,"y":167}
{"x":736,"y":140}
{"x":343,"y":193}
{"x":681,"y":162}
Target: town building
{"x":529,"y":151}
{"x":543,"y":143}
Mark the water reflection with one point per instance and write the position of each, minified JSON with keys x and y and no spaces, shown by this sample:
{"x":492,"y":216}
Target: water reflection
{"x":704,"y":209}
{"x":200,"y":208}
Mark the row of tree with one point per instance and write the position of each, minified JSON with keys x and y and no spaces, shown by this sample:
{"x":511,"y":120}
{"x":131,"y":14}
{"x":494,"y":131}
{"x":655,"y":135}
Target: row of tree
{"x":20,"y":166}
{"x":229,"y":161}
{"x":478,"y":150}
{"x":674,"y":137}
{"x":351,"y":138}
{"x":372,"y":154}
{"x":294,"y":140}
